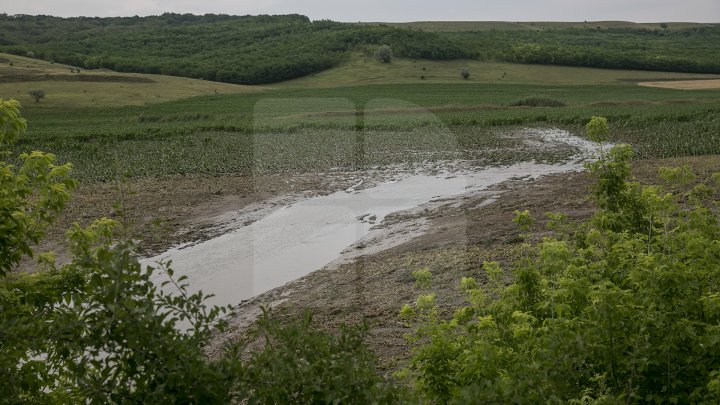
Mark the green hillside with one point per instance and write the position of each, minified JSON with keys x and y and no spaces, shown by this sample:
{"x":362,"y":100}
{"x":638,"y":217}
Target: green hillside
{"x":64,"y":86}
{"x":233,"y":49}
{"x":267,"y":49}
{"x":360,"y":69}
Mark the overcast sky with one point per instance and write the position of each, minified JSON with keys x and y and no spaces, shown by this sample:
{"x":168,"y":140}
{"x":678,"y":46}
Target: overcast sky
{"x":392,"y":11}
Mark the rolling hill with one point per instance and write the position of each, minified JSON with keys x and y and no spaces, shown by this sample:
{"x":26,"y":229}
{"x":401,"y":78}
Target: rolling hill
{"x":269,"y":49}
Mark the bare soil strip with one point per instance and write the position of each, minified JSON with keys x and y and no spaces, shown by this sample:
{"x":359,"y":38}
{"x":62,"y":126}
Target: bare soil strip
{"x":685,"y":84}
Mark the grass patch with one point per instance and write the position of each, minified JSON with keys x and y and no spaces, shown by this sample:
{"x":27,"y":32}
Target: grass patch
{"x":93,"y":88}
{"x":360,"y":70}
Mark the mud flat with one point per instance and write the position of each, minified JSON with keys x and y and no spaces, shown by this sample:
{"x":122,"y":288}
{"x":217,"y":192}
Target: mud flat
{"x":294,"y":240}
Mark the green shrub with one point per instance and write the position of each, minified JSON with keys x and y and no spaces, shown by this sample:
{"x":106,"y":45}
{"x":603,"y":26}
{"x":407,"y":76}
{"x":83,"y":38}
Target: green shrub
{"x":37,"y":95}
{"x":384,"y":54}
{"x":100,"y":330}
{"x":625,"y":310}
{"x":300,"y":364}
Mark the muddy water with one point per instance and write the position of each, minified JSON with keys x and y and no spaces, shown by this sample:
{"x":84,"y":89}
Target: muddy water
{"x":303,"y":237}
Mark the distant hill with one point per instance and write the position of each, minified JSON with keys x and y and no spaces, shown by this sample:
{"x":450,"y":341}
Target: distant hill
{"x":235,"y":49}
{"x":456,"y":26}
{"x":266,"y":49}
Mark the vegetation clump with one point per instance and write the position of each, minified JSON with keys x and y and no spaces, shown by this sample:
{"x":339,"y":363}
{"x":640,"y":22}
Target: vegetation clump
{"x":623,"y":308}
{"x":99,"y":329}
{"x":537,"y":101}
{"x":37,"y":95}
{"x":384,"y":54}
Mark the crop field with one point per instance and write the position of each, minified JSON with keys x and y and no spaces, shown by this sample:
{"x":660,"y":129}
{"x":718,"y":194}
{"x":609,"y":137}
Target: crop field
{"x":319,"y":127}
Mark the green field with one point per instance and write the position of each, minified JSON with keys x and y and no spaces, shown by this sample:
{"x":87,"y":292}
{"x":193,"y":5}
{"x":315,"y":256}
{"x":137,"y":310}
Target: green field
{"x":153,"y":127}
{"x":362,"y":70}
{"x":98,"y":87}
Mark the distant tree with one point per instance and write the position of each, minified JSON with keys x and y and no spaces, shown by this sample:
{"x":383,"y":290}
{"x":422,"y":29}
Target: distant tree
{"x":384,"y":54}
{"x":465,"y":73}
{"x":37,"y":95}
{"x":663,"y":26}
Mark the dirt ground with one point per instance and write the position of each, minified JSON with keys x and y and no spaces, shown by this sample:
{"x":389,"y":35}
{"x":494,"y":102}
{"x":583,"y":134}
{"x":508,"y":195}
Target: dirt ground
{"x":160,"y":213}
{"x":459,"y":236}
{"x":685,"y":84}
{"x":375,"y":287}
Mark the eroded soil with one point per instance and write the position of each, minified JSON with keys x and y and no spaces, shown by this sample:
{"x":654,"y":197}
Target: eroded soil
{"x":458,"y":235}
{"x":462,"y":234}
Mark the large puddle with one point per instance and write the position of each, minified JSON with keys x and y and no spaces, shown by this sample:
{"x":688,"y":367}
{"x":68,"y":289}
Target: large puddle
{"x":298,"y":239}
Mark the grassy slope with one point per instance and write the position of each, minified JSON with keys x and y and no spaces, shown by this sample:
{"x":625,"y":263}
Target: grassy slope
{"x":458,"y":26}
{"x":115,"y":89}
{"x":362,"y":70}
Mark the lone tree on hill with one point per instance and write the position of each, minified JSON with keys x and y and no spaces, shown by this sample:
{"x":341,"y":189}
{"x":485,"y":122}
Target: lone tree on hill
{"x":37,"y":95}
{"x":384,"y":54}
{"x":465,"y":73}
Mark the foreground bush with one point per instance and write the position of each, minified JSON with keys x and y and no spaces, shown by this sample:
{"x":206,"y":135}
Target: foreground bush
{"x":623,"y":308}
{"x":99,"y":330}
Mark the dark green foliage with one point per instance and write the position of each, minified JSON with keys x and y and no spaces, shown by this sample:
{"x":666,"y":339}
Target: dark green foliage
{"x":384,"y":54}
{"x":299,"y":364}
{"x":33,"y":192}
{"x":37,"y":95}
{"x":686,"y":50}
{"x":623,"y":308}
{"x":105,"y":329}
{"x":234,"y":49}
{"x":537,"y":101}
{"x":264,"y":49}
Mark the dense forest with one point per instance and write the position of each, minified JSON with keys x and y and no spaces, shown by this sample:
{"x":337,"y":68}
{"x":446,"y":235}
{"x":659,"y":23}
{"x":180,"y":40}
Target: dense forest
{"x":248,"y":50}
{"x":687,"y":50}
{"x":265,"y":49}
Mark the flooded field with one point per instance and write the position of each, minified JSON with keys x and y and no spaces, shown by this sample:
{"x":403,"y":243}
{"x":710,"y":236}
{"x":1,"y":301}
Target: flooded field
{"x":299,"y":238}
